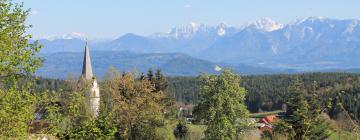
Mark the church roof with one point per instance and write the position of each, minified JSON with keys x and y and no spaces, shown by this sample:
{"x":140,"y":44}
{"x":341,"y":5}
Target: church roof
{"x":87,"y":69}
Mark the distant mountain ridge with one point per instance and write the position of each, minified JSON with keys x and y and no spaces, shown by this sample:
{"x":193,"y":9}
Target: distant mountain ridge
{"x":60,"y":65}
{"x":307,"y":44}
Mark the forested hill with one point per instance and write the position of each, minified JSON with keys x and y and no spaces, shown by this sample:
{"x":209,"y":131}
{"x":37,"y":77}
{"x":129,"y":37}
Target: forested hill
{"x":264,"y":92}
{"x":269,"y":92}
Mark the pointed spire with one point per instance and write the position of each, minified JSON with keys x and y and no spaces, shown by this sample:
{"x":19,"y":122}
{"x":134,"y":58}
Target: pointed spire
{"x":87,"y":69}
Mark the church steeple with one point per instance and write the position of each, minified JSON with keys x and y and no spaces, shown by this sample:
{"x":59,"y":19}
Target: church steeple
{"x":94,"y":92}
{"x":87,"y":69}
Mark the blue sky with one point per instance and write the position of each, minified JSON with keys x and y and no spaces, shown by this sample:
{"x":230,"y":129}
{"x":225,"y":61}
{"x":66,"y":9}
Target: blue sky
{"x":113,"y":18}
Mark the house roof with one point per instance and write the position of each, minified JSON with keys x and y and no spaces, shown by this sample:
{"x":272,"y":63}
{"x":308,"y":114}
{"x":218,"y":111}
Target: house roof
{"x":269,"y":119}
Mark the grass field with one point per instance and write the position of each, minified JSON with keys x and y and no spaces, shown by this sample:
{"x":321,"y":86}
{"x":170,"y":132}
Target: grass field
{"x":195,"y":132}
{"x":344,"y":135}
{"x":263,"y":114}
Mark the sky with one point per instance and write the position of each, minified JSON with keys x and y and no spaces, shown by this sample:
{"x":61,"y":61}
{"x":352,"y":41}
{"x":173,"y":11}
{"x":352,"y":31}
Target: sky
{"x":109,"y":19}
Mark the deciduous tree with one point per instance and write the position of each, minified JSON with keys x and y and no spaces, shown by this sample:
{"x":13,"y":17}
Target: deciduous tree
{"x":137,"y":110}
{"x":17,"y":63}
{"x":221,"y":104}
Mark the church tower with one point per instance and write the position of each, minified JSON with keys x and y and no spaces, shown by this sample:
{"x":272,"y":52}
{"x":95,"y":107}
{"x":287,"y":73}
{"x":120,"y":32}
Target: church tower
{"x":87,"y":75}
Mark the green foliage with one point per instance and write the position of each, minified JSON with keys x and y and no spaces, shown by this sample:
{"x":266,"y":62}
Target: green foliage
{"x":303,"y":120}
{"x":49,"y":105}
{"x":270,"y":86}
{"x":269,"y":92}
{"x":181,"y":130}
{"x":184,"y":89}
{"x":66,"y":112}
{"x":17,"y":108}
{"x":336,"y":106}
{"x":282,"y":128}
{"x":344,"y":135}
{"x":136,"y":107}
{"x":98,"y":129}
{"x":17,"y":56}
{"x":150,"y":75}
{"x":196,"y":132}
{"x":221,"y":104}
{"x":17,"y":63}
{"x":160,"y":81}
{"x":319,"y":126}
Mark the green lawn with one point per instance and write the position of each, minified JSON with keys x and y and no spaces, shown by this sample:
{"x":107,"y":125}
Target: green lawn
{"x":344,"y":135}
{"x":263,"y":114}
{"x":195,"y":132}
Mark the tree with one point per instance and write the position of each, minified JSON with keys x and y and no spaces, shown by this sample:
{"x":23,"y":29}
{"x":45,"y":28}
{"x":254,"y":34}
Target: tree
{"x":49,"y":106}
{"x":297,"y":112}
{"x":137,"y":110}
{"x":142,"y":76}
{"x":221,"y":104}
{"x":17,"y":110}
{"x":303,"y":116}
{"x":181,"y":130}
{"x":97,"y":129}
{"x":17,"y":56}
{"x":335,"y":106}
{"x":17,"y":63}
{"x":150,"y":75}
{"x":160,"y":81}
{"x":319,"y":128}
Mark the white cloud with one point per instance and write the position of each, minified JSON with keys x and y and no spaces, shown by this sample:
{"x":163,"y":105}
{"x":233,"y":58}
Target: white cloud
{"x":187,"y":6}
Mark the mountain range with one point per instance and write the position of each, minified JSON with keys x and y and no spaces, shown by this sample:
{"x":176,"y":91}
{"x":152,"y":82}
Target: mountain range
{"x":308,"y":44}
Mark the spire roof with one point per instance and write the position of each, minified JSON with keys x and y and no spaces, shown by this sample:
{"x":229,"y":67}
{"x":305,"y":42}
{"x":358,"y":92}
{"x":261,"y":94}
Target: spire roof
{"x":87,"y":69}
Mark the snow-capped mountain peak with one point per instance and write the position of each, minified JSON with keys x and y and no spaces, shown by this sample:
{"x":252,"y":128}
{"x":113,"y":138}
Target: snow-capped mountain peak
{"x":73,"y":35}
{"x":188,"y":30}
{"x":183,"y":32}
{"x":314,"y":18}
{"x":223,"y":25}
{"x":194,"y":29}
{"x":195,"y":26}
{"x":221,"y":29}
{"x":266,"y":24}
{"x":311,"y":19}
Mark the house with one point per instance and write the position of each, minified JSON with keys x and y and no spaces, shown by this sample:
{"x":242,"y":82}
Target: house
{"x":185,"y":109}
{"x":265,"y":123}
{"x":268,"y":128}
{"x":268,"y":119}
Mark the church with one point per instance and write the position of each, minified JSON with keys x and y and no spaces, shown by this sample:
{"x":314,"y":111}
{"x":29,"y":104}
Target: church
{"x":94,"y":92}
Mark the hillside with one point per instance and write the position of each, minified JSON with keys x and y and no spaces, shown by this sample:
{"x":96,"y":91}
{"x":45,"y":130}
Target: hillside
{"x":60,"y":65}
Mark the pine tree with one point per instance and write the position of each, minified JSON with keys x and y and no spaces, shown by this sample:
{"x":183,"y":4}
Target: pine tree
{"x":181,"y":130}
{"x":336,"y":107}
{"x":319,"y":128}
{"x":150,"y":75}
{"x":304,"y":120}
{"x":142,"y":76}
{"x":297,"y":110}
{"x":160,"y":81}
